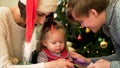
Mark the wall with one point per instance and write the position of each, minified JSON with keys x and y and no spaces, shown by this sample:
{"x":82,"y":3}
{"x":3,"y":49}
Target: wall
{"x":8,"y":3}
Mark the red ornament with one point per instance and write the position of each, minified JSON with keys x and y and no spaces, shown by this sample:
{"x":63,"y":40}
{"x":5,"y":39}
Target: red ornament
{"x":79,"y":37}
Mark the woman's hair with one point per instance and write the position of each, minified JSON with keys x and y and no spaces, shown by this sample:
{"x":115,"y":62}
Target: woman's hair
{"x":82,"y":7}
{"x":22,"y":8}
{"x":47,"y":26}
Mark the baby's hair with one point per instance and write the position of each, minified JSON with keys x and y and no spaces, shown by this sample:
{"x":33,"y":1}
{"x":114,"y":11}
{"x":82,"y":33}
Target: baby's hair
{"x":47,"y":26}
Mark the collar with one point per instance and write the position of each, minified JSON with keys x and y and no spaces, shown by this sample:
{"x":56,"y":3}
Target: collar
{"x":64,"y":54}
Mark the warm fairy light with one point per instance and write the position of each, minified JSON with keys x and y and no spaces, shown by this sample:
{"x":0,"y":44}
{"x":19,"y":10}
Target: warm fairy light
{"x":112,"y":51}
{"x":84,"y":47}
{"x":55,"y":15}
{"x":97,"y":51}
{"x":66,"y":24}
{"x":87,"y":30}
{"x":88,"y":51}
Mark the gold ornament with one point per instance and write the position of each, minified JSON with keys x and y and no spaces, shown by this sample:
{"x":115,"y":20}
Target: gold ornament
{"x":103,"y":44}
{"x":87,"y":30}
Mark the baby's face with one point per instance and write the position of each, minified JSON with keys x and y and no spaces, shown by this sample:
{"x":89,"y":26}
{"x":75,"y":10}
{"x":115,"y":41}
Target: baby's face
{"x":55,"y":42}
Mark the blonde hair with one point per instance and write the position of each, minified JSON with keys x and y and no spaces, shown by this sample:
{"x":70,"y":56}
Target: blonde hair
{"x":47,"y":5}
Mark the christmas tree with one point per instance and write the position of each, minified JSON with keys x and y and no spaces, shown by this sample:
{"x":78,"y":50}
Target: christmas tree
{"x":84,"y":41}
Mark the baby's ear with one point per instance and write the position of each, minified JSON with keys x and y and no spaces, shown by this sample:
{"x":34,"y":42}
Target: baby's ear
{"x":44,"y":42}
{"x":93,"y":12}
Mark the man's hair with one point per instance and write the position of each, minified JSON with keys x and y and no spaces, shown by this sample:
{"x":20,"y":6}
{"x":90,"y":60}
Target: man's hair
{"x":82,"y":7}
{"x":22,"y":8}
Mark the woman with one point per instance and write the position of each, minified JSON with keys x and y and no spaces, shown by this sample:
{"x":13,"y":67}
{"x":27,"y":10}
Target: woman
{"x":12,"y":27}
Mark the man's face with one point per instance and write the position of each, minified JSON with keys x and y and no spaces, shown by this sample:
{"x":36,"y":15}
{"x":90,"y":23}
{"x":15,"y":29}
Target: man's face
{"x":94,"y":21}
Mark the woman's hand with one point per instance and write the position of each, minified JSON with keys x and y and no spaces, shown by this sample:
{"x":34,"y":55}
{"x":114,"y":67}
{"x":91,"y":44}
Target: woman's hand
{"x":60,"y":63}
{"x":100,"y":64}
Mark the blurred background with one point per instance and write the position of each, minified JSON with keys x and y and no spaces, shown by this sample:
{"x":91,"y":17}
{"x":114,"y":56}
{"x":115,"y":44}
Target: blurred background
{"x":8,"y":3}
{"x":83,"y":40}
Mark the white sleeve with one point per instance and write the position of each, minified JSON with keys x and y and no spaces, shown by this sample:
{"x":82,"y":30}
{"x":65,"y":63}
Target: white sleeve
{"x":5,"y":62}
{"x":39,"y":65}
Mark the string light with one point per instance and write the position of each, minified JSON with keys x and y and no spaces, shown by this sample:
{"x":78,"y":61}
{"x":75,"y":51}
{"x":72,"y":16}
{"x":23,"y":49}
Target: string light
{"x":97,"y":51}
{"x":55,"y":15}
{"x":84,"y":47}
{"x":66,"y":24}
{"x":112,"y":51}
{"x":88,"y":51}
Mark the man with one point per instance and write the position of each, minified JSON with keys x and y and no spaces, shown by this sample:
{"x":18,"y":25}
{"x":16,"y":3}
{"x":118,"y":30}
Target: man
{"x":95,"y":14}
